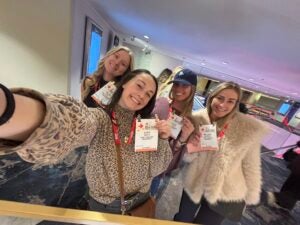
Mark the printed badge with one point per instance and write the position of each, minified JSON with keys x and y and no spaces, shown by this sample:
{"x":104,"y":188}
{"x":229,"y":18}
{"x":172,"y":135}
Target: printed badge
{"x":208,"y":140}
{"x":175,"y":123}
{"x":146,"y":135}
{"x":103,"y":95}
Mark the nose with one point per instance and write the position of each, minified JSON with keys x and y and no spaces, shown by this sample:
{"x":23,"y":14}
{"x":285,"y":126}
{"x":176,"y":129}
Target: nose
{"x":117,"y":65}
{"x":142,"y":95}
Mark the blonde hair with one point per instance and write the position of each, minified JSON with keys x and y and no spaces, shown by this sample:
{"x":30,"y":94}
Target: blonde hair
{"x":90,"y":81}
{"x":216,"y":90}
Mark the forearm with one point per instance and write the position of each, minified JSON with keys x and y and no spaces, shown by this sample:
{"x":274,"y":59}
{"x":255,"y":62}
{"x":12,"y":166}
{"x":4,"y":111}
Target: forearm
{"x":28,"y":115}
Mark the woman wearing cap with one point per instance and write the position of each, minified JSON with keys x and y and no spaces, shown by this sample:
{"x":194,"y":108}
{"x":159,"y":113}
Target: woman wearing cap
{"x":179,"y":105}
{"x":112,"y":67}
{"x":221,"y":178}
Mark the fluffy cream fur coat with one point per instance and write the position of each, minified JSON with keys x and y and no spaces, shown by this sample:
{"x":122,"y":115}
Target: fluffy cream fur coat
{"x":233,"y":173}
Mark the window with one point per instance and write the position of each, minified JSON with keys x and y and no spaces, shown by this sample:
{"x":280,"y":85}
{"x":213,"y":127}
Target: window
{"x":284,"y":108}
{"x":92,"y":47}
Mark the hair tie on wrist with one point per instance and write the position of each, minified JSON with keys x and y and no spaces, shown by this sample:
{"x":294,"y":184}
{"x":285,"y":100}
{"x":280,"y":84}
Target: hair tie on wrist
{"x":10,"y":105}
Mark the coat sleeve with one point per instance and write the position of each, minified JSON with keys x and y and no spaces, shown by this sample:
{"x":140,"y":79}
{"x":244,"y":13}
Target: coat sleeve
{"x":251,"y":166}
{"x":68,"y":124}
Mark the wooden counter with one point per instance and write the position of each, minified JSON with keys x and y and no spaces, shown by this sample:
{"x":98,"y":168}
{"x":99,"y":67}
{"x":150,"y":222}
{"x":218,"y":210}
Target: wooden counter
{"x":24,"y":210}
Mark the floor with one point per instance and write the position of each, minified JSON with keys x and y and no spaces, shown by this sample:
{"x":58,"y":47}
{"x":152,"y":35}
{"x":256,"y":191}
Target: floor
{"x":64,"y":185}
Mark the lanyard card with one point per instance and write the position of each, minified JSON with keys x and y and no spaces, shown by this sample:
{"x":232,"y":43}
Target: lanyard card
{"x":146,"y":135}
{"x":208,"y":140}
{"x":176,"y":125}
{"x":103,"y":95}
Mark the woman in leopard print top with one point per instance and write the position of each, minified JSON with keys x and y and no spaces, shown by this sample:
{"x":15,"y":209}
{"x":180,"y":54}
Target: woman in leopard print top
{"x":45,"y":128}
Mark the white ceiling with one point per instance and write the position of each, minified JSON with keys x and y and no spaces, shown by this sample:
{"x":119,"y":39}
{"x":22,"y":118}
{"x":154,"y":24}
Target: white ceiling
{"x":253,"y":42}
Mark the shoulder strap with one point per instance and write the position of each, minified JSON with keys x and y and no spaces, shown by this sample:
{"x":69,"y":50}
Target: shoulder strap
{"x":121,"y":179}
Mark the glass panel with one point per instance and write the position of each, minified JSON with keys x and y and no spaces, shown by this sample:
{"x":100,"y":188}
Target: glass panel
{"x":94,"y":50}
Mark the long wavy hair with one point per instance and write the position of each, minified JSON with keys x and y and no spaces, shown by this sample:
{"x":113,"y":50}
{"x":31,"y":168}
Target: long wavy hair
{"x":91,"y":81}
{"x":144,"y":112}
{"x":216,"y":90}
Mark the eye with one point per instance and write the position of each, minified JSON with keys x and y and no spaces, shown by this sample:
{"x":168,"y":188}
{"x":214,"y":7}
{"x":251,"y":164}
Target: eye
{"x":139,"y":85}
{"x":232,"y":102}
{"x":221,"y":98}
{"x":148,"y":95}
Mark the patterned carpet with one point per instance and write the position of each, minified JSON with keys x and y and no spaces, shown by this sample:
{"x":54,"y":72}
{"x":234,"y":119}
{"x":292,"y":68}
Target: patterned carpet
{"x":64,"y":185}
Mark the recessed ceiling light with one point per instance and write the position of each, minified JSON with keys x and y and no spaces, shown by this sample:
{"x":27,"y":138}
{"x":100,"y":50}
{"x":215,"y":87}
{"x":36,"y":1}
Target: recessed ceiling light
{"x":225,"y":63}
{"x":251,"y":79}
{"x":294,"y":93}
{"x":146,"y":37}
{"x":203,"y":64}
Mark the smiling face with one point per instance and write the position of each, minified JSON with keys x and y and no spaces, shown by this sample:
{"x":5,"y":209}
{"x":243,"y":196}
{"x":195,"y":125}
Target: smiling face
{"x":181,"y":92}
{"x":223,"y":104}
{"x":137,"y":92}
{"x":116,"y":64}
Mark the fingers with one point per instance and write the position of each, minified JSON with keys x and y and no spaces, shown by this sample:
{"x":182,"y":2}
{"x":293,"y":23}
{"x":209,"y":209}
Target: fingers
{"x":164,"y":129}
{"x":187,"y":128}
{"x":156,"y":118}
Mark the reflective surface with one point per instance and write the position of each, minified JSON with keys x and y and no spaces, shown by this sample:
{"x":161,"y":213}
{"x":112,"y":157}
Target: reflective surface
{"x":64,"y":185}
{"x":274,"y":175}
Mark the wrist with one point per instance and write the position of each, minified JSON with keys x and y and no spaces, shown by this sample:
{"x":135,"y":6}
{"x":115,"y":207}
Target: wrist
{"x":180,"y":142}
{"x":7,"y":106}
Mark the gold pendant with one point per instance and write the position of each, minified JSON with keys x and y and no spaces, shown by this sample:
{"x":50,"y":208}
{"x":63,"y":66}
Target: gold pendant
{"x":125,"y":140}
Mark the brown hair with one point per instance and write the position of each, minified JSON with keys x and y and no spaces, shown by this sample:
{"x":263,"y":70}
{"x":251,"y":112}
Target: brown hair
{"x":90,"y":81}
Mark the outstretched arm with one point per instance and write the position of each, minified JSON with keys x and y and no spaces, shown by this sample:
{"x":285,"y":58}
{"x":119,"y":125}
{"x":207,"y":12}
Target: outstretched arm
{"x":27,"y":116}
{"x":45,"y":128}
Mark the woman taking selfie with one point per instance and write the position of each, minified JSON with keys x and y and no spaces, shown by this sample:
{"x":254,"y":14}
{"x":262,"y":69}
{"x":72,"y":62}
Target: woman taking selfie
{"x":45,"y":128}
{"x":112,"y":67}
{"x":223,"y":170}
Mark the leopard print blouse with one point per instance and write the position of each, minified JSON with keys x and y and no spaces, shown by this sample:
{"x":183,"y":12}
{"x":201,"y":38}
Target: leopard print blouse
{"x":69,"y":124}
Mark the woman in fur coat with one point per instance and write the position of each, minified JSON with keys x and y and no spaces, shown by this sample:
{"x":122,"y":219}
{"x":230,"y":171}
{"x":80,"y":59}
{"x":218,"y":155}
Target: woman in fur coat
{"x":222,"y":178}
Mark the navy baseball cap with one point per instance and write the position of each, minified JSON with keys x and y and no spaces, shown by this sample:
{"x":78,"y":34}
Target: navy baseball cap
{"x":185,"y":76}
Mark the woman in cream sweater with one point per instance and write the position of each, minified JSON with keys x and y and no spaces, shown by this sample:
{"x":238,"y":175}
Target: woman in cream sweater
{"x":222,"y":181}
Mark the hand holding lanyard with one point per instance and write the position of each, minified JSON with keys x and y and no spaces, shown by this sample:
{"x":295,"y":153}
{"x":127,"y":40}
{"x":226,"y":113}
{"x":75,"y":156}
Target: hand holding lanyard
{"x":207,"y":139}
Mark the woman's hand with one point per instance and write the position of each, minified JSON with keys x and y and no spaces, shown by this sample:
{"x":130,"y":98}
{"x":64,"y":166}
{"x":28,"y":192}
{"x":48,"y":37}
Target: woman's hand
{"x":195,"y":138}
{"x":164,"y":130}
{"x":186,"y":130}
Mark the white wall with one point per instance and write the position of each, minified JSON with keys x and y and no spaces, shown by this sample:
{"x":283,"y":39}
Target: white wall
{"x":154,"y":62}
{"x":35,"y":44}
{"x":81,"y":9}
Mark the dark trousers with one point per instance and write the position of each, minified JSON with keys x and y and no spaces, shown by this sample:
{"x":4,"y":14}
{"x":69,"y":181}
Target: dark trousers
{"x":191,"y":213}
{"x":290,"y":192}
